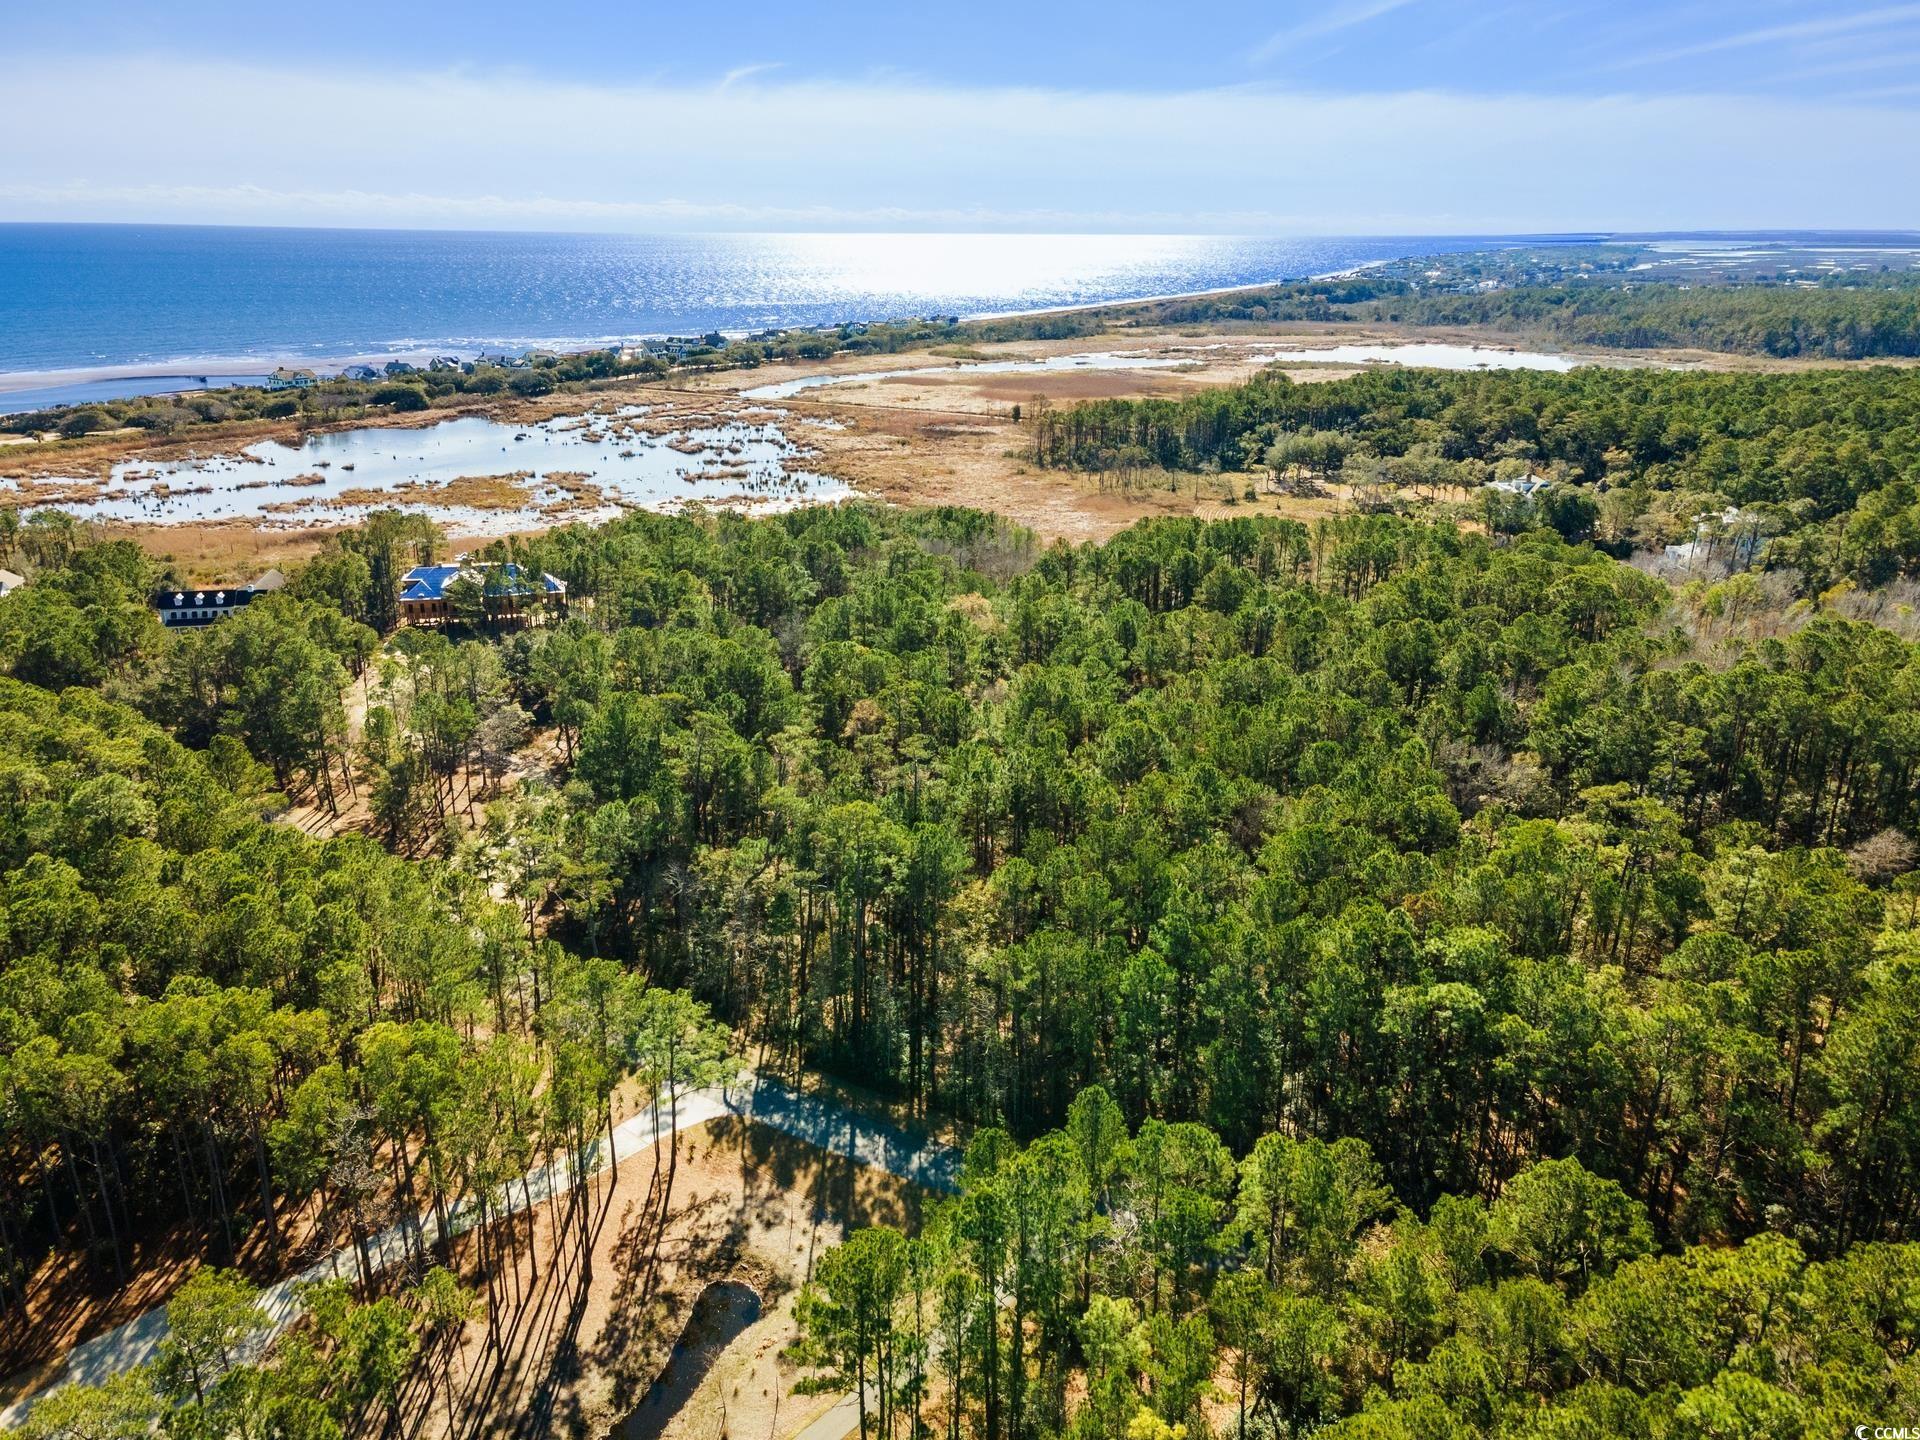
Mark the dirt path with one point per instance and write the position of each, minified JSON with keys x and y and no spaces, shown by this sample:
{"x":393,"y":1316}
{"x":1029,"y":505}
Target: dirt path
{"x":819,"y":1122}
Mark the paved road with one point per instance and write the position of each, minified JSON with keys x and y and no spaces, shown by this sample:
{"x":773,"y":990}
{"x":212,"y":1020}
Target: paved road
{"x":819,"y":1121}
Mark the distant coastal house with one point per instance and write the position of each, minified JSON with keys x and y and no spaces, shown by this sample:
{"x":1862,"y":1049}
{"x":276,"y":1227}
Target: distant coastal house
{"x":499,"y":358}
{"x":1731,"y":538}
{"x":444,"y":362}
{"x":10,"y":582}
{"x":401,"y":367}
{"x":1524,"y":486}
{"x":185,"y":609}
{"x":285,"y":379}
{"x":429,"y":593}
{"x":359,"y":372}
{"x":678,"y":347}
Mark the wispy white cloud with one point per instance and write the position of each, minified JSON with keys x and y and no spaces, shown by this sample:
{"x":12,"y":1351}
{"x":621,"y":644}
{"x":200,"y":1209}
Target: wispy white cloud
{"x":747,"y":72}
{"x":1858,"y":65}
{"x":1825,"y":27}
{"x":1342,"y":15}
{"x":898,"y":155}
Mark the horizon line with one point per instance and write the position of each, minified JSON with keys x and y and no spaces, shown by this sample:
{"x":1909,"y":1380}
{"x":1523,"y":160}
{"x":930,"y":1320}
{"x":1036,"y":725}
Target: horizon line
{"x":1600,"y":235}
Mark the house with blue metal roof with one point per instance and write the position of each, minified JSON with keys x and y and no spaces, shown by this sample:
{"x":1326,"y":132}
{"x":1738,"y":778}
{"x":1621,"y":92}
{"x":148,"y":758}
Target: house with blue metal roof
{"x":429,"y":593}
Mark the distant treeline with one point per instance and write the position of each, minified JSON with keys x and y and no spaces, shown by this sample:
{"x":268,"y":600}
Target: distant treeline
{"x":1836,"y":323}
{"x":330,"y":399}
{"x":1851,"y":322}
{"x":1315,"y":300}
{"x":1833,"y":457}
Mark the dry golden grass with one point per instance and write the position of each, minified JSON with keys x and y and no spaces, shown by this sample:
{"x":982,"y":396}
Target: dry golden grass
{"x":473,"y":492}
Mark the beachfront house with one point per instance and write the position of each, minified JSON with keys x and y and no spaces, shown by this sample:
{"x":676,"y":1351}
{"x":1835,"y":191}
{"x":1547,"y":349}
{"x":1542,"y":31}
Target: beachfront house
{"x":186,"y":609}
{"x":444,"y":362}
{"x":401,"y":367}
{"x":285,"y":379}
{"x":435,"y":595}
{"x":359,"y":372}
{"x":10,"y":582}
{"x":499,"y":358}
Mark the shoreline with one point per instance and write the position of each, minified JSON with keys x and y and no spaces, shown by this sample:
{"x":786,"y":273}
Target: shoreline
{"x":244,"y":368}
{"x":237,"y":367}
{"x":1210,"y":291}
{"x":192,"y":367}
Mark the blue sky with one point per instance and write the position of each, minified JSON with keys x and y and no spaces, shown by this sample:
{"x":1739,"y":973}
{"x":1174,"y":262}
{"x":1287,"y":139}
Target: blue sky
{"x":1386,"y":116}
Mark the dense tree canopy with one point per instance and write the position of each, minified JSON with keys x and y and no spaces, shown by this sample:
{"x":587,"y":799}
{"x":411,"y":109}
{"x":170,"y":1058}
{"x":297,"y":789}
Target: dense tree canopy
{"x":1158,"y":1289}
{"x":1499,"y":990}
{"x":209,"y":1018}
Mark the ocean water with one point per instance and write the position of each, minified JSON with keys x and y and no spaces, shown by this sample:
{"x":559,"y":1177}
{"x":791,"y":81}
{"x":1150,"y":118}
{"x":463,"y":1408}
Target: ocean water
{"x":92,"y":301}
